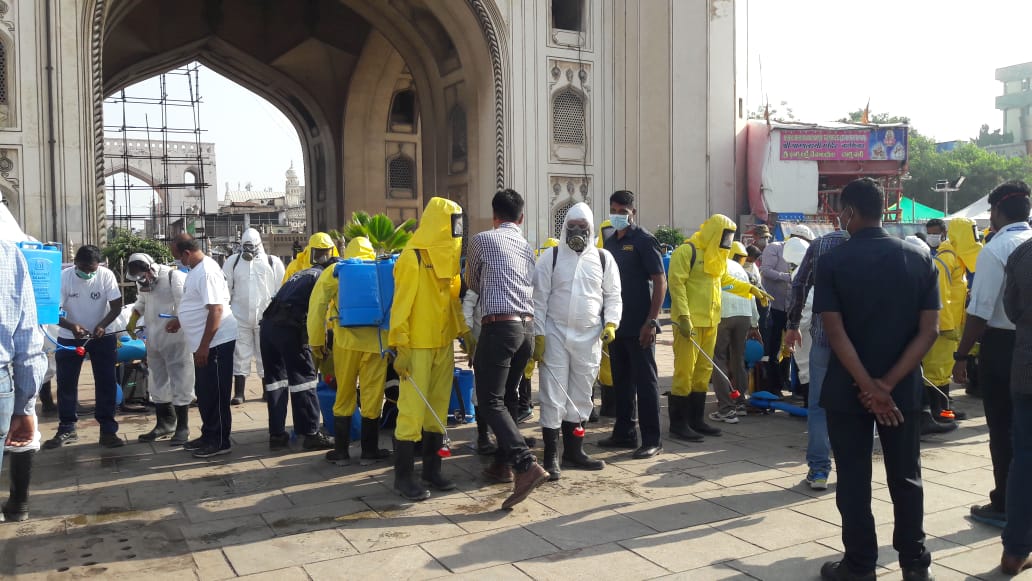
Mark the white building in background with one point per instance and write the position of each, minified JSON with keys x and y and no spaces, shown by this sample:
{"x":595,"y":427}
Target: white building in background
{"x":398,"y":100}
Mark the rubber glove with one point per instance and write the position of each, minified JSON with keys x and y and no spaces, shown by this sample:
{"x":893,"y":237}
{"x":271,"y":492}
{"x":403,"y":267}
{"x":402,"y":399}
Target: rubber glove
{"x":403,"y":362}
{"x":131,"y":327}
{"x":528,"y":371}
{"x":318,"y":355}
{"x":609,"y":333}
{"x":761,"y":294}
{"x":684,"y":326}
{"x":539,"y":348}
{"x":470,"y":343}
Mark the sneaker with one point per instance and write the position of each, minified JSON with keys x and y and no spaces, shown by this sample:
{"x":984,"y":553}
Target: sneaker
{"x":728,"y":417}
{"x":817,"y":479}
{"x":279,"y":441}
{"x":987,"y":514}
{"x":111,"y":440}
{"x":61,"y":439}
{"x":209,"y":450}
{"x":195,"y":444}
{"x":318,"y":441}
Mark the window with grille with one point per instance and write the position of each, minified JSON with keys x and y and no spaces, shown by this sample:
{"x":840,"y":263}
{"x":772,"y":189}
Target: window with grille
{"x":3,"y":74}
{"x":568,"y":118}
{"x":401,"y":177}
{"x":559,"y":217}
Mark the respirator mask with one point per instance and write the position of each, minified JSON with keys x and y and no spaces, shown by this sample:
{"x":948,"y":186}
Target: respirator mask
{"x":577,"y":238}
{"x":248,"y":251}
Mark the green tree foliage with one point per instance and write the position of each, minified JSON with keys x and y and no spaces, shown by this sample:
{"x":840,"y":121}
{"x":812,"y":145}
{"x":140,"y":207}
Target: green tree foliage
{"x":122,"y":244}
{"x":669,"y":235}
{"x":880,"y":118}
{"x":383,"y":234}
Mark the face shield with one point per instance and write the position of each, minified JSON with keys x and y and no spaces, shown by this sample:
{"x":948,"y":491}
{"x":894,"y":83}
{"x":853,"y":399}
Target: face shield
{"x":456,"y":225}
{"x":727,"y":238}
{"x":320,"y":256}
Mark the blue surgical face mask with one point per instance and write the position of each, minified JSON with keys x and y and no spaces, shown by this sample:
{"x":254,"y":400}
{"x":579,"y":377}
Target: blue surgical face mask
{"x":182,"y":267}
{"x":619,"y":221}
{"x":85,"y":275}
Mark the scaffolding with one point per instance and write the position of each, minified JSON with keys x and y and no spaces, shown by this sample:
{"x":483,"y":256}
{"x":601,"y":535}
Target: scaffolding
{"x":159,"y":171}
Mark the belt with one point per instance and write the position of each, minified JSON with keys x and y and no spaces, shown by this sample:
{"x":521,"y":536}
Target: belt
{"x":506,"y":319}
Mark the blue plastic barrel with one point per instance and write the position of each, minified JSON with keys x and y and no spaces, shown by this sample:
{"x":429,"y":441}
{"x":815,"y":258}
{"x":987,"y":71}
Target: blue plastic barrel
{"x":130,"y":349}
{"x":365,"y":292}
{"x":45,"y":271}
{"x":666,"y":269}
{"x":327,"y":396}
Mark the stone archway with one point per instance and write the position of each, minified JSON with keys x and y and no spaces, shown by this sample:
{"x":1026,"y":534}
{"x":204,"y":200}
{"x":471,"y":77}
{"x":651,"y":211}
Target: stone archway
{"x":416,"y":29}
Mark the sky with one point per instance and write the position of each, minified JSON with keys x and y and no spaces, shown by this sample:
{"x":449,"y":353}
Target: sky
{"x":930,"y":60}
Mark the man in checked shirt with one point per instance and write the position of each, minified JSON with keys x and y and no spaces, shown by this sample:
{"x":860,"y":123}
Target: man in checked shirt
{"x":500,"y":268}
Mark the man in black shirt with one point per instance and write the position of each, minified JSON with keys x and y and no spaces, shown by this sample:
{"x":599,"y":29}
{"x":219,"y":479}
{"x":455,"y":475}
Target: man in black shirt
{"x":879,"y":303}
{"x":632,"y":355}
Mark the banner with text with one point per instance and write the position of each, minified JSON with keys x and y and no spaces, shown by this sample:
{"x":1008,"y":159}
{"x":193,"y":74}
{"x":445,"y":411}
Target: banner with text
{"x":888,"y":143}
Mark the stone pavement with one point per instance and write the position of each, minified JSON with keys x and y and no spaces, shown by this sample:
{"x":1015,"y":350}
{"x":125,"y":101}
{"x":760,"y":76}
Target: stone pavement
{"x":734,"y":507}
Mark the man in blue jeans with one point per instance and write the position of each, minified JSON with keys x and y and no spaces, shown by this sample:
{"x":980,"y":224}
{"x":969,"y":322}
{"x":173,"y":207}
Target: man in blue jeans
{"x":22,"y":365}
{"x":818,"y":449}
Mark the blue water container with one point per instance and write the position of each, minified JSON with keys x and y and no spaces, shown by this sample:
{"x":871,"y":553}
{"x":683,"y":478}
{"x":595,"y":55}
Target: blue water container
{"x":365,"y":292}
{"x":45,"y":271}
{"x":460,"y":408}
{"x":666,"y":269}
{"x":130,"y":350}
{"x":327,"y":395}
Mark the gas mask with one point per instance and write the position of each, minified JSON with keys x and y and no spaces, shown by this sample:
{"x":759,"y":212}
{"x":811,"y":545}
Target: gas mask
{"x":145,"y":282}
{"x":577,"y":238}
{"x":934,"y":240}
{"x":248,"y":251}
{"x":321,"y":256}
{"x":456,"y":225}
{"x":726,"y":239}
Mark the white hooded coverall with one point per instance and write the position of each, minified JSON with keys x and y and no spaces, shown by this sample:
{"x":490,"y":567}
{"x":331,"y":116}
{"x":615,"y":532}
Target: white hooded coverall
{"x":170,"y":364}
{"x":252,"y":284}
{"x":572,"y":304}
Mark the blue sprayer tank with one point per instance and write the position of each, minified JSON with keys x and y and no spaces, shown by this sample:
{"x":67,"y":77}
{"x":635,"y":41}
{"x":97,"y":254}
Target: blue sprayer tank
{"x":666,"y":270}
{"x":365,"y":292}
{"x":45,"y":271}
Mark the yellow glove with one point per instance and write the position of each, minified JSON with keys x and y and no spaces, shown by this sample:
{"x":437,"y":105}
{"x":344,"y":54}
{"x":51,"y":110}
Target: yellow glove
{"x":318,"y":354}
{"x":761,"y":294}
{"x":609,"y":333}
{"x":684,"y":326}
{"x":469,"y":343}
{"x":131,"y":327}
{"x":539,"y":348}
{"x":403,"y":362}
{"x":528,"y":371}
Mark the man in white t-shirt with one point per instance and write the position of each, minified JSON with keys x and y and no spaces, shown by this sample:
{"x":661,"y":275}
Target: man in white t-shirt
{"x":91,"y":301}
{"x":211,"y":331}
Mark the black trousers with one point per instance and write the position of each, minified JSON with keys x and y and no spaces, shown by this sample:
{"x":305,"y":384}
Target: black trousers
{"x":994,"y":371}
{"x":852,"y":444}
{"x":777,"y":372}
{"x":635,"y":380}
{"x":213,"y":385}
{"x":502,"y":354}
{"x":290,"y":373}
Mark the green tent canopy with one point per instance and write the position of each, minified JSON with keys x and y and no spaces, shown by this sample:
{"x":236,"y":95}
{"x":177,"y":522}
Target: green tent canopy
{"x":915,"y":211}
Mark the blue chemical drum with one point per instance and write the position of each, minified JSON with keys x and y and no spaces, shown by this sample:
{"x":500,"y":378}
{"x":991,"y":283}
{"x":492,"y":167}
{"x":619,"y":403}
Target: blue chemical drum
{"x":45,"y":271}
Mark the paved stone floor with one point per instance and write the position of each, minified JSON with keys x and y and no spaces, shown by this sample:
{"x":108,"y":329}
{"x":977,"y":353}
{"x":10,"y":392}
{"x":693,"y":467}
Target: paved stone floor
{"x":734,"y":507}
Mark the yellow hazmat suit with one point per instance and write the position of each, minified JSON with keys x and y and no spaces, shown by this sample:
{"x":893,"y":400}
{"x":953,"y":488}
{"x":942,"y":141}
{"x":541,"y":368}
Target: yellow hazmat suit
{"x":304,"y":258}
{"x":356,"y":350}
{"x":426,"y":319}
{"x":605,"y":372}
{"x":938,"y":362}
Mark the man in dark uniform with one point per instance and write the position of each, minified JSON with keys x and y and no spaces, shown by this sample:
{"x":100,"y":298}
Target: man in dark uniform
{"x":290,"y":371}
{"x":878,"y":299}
{"x":632,"y":355}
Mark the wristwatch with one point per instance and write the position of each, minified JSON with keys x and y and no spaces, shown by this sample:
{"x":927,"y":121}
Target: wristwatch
{"x":654,"y":323}
{"x":957,"y":356}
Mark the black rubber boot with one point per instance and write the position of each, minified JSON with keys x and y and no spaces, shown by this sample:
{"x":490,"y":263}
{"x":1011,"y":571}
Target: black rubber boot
{"x":432,"y":442}
{"x":239,"y":382}
{"x":46,"y":397}
{"x":404,"y":466}
{"x":678,"y":408}
{"x":697,"y":414}
{"x":932,"y":425}
{"x":166,"y":423}
{"x":593,"y":416}
{"x":182,"y":434}
{"x":607,"y":408}
{"x":573,"y":451}
{"x":16,"y":509}
{"x":551,"y":463}
{"x":339,"y":455}
{"x":371,"y":450}
{"x":485,"y":447}
{"x":945,"y":402}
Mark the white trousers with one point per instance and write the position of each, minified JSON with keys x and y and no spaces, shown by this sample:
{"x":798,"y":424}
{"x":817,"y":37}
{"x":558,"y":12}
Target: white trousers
{"x":573,"y":373}
{"x":170,"y":371}
{"x":248,"y":347}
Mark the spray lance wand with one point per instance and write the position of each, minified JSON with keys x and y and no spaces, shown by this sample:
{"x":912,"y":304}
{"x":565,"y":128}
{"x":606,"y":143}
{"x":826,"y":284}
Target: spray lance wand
{"x":445,"y":450}
{"x":578,"y":431}
{"x":735,"y":394}
{"x":947,"y":413}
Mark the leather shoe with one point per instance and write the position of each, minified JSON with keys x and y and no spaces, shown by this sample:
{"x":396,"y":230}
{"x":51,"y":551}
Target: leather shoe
{"x":614,"y":442}
{"x":525,"y":483}
{"x":918,"y":574}
{"x":1012,"y":565}
{"x":647,"y":452}
{"x":496,"y":472}
{"x":836,"y":571}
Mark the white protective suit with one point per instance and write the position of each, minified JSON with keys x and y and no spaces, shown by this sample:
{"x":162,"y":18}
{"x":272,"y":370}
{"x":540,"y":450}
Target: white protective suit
{"x":170,"y":365}
{"x":572,"y":304}
{"x":252,"y":284}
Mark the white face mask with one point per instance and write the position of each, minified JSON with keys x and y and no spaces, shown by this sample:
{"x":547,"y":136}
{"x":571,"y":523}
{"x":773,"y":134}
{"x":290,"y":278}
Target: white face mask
{"x":934,"y":240}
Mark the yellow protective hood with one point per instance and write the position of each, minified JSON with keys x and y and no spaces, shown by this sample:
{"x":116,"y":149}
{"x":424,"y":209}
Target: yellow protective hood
{"x":434,"y":235}
{"x":303,"y":260}
{"x":961,"y":236}
{"x":738,"y":249}
{"x":360,"y":248}
{"x":602,"y":232}
{"x":708,"y":239}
